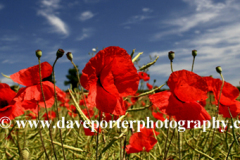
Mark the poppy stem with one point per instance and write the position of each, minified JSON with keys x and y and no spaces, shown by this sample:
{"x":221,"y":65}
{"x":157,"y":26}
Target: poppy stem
{"x":40,"y":133}
{"x":56,"y":104}
{"x":79,"y":84}
{"x":226,"y":133}
{"x":18,"y":145}
{"x":231,"y":148}
{"x":216,"y":113}
{"x":159,"y":148}
{"x":193,"y":63}
{"x":179,"y":145}
{"x":50,"y":132}
{"x":169,"y":143}
{"x":171,"y":66}
{"x":165,"y":148}
{"x":98,"y":134}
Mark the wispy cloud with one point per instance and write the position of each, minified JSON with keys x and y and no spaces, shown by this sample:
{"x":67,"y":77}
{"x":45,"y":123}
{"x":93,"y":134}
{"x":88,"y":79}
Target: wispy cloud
{"x":140,"y":17}
{"x":203,"y":14}
{"x":147,"y":10}
{"x":86,"y":15}
{"x":86,"y":33}
{"x":216,"y":47}
{"x":1,"y":6}
{"x":9,"y":61}
{"x":6,"y":80}
{"x":9,"y":38}
{"x":48,"y":8}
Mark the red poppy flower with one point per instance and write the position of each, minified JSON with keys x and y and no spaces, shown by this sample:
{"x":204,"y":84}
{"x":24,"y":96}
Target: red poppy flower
{"x":65,"y":103}
{"x":228,"y":97}
{"x":158,"y":116}
{"x":88,"y":131}
{"x":142,"y":141}
{"x":229,"y":92}
{"x":143,"y":103}
{"x":144,"y":76}
{"x":210,"y":82}
{"x":234,"y":109}
{"x":109,"y":117}
{"x":149,"y":86}
{"x":160,"y":100}
{"x":109,"y":76}
{"x":51,"y":115}
{"x":186,"y":89}
{"x":29,"y":96}
{"x":72,"y":111}
{"x":134,"y":99}
{"x":90,"y":111}
{"x":222,"y":130}
{"x":187,"y":86}
{"x":6,"y":106}
{"x":31,"y":116}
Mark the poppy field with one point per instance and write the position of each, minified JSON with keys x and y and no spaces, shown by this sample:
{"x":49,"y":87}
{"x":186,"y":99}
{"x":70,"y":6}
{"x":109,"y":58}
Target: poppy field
{"x":195,"y":118}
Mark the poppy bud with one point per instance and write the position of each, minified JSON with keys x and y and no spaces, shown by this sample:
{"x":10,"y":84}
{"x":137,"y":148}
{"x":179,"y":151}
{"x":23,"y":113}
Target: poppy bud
{"x":70,"y":56}
{"x":194,"y":53}
{"x":38,"y":53}
{"x":60,"y":53}
{"x":219,"y":69}
{"x":171,"y":55}
{"x":25,"y":154}
{"x":154,"y":81}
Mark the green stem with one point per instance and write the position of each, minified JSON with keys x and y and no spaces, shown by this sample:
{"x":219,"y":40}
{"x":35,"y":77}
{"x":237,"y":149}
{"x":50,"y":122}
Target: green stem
{"x":165,"y":148}
{"x":179,"y":145}
{"x":171,"y":66}
{"x":97,"y":135}
{"x":40,"y":133}
{"x":193,"y":63}
{"x":56,"y":105}
{"x":50,"y":132}
{"x":169,"y":144}
{"x":79,"y":84}
{"x":217,"y":112}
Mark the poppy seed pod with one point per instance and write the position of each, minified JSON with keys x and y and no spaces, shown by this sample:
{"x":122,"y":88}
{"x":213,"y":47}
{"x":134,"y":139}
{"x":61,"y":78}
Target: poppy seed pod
{"x":60,"y":53}
{"x":38,"y":53}
{"x":219,"y":69}
{"x":25,"y":154}
{"x":171,"y":55}
{"x":70,"y":56}
{"x":194,"y":53}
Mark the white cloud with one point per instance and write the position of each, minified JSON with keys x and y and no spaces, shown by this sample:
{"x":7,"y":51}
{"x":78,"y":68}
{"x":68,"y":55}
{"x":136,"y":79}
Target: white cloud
{"x":86,"y":15}
{"x":137,"y":19}
{"x":7,"y":80}
{"x":48,"y":8}
{"x":55,"y":21}
{"x":9,"y":38}
{"x":86,"y":33}
{"x":147,"y":10}
{"x":1,"y":6}
{"x":51,"y":3}
{"x":140,"y":17}
{"x":216,"y":37}
{"x":204,"y":14}
{"x":217,"y":47}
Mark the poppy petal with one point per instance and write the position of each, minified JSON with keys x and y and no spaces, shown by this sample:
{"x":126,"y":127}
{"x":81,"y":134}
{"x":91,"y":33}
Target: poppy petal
{"x":30,"y":76}
{"x":188,"y":86}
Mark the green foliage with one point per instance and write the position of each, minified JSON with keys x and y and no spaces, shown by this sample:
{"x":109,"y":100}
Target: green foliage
{"x":72,"y":78}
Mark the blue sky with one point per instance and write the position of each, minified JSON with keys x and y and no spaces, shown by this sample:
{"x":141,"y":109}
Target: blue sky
{"x":155,"y":27}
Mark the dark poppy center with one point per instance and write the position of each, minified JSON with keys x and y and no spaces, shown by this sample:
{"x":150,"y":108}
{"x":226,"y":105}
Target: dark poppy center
{"x":99,"y":82}
{"x":3,"y":104}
